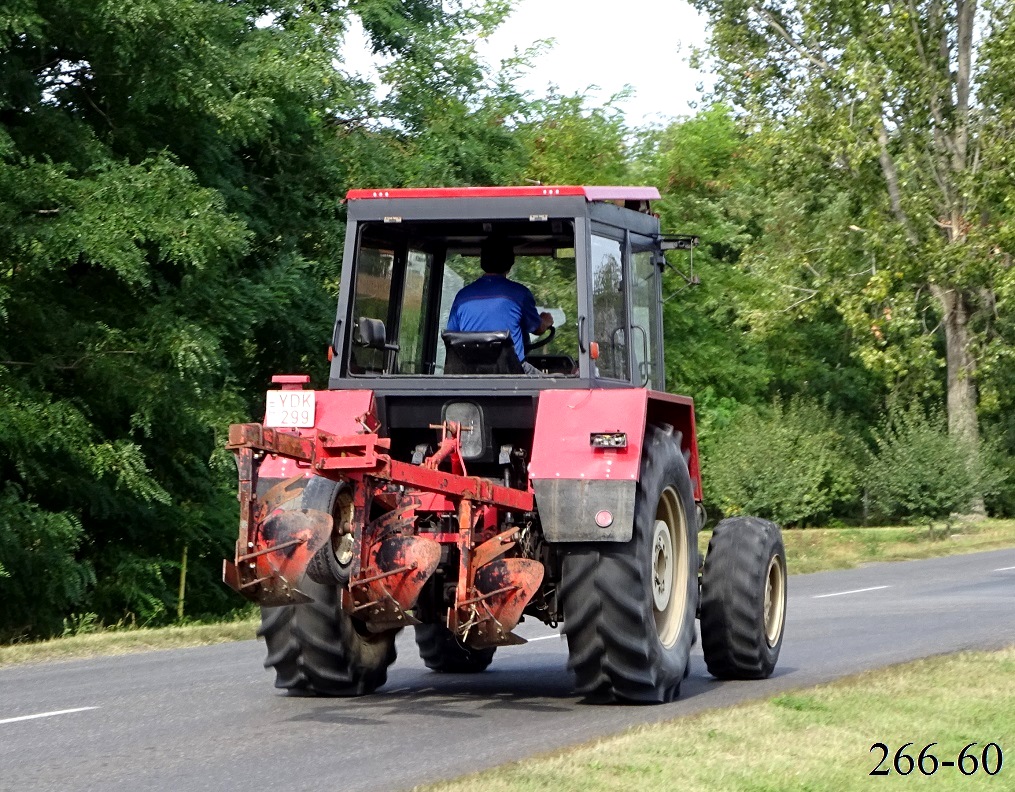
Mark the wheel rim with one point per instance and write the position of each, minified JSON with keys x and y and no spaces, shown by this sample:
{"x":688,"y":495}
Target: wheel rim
{"x":775,"y":600}
{"x":342,"y":539}
{"x":669,"y":567}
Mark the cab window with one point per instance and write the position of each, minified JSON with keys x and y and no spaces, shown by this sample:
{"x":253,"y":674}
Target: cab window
{"x":408,"y":275}
{"x":609,"y":324}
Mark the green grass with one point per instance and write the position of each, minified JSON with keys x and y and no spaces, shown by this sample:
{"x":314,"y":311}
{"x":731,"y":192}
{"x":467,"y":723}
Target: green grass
{"x":803,"y":741}
{"x":819,"y":549}
{"x":809,"y":550}
{"x":114,"y":641}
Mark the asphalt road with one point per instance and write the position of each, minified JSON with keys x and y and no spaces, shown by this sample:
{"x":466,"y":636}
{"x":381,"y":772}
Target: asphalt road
{"x":208,"y":718}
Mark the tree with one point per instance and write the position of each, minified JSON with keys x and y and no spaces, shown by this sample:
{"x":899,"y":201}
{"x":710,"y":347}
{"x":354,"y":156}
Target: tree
{"x":914,"y":473}
{"x":900,"y":106}
{"x":731,"y":340}
{"x":706,"y":189}
{"x":570,"y":142}
{"x":171,"y":183}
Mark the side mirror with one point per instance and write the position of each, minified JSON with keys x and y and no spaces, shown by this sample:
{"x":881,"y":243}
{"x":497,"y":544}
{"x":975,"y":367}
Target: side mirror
{"x":679,"y":242}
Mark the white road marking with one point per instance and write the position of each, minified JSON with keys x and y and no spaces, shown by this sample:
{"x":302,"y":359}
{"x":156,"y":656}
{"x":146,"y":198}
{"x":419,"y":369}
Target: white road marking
{"x":854,"y":591}
{"x":1004,"y":569}
{"x":45,"y":714}
{"x":533,"y":640}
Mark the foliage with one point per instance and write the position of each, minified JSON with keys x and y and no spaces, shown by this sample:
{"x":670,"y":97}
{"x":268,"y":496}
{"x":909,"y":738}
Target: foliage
{"x":733,"y":339}
{"x":998,"y":462}
{"x":42,"y":576}
{"x":171,"y":183}
{"x":920,"y":473}
{"x":706,"y":190}
{"x":171,"y":176}
{"x":449,"y":119}
{"x":877,"y":124}
{"x":796,"y":463}
{"x":570,"y":142}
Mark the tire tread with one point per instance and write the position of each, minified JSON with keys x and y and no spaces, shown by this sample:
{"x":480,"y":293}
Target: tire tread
{"x":732,"y":598}
{"x":614,"y":652}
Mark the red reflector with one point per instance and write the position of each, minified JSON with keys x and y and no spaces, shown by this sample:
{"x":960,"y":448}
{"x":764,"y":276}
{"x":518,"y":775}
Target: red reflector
{"x":295,"y":380}
{"x":604,"y":519}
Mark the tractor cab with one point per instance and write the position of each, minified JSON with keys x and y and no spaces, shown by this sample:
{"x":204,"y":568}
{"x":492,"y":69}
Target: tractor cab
{"x":591,"y":257}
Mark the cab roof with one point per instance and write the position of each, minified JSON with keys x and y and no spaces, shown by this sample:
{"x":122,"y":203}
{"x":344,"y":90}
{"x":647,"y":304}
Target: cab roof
{"x":608,"y":193}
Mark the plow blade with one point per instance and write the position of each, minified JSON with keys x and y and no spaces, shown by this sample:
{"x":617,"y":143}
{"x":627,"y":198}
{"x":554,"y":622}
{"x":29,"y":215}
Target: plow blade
{"x":505,"y":587}
{"x":390,"y":585}
{"x":286,"y":541}
{"x":295,"y":537}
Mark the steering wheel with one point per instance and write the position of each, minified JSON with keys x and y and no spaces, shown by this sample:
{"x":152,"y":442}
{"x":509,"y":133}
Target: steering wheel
{"x":542,"y":342}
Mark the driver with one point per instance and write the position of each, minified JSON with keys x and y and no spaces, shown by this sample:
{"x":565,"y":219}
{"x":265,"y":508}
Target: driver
{"x":495,"y":303}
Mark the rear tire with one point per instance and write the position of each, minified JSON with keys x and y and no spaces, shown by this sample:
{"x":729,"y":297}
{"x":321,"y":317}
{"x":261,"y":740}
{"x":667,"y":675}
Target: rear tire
{"x":629,"y":607}
{"x":743,"y":599}
{"x":317,"y":648}
{"x":444,"y":653}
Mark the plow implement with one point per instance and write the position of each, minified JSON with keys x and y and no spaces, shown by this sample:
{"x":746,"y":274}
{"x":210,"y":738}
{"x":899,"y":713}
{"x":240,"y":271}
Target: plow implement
{"x":388,"y":530}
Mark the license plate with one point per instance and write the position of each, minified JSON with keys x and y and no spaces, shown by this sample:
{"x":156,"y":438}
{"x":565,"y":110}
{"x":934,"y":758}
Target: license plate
{"x":290,"y":408}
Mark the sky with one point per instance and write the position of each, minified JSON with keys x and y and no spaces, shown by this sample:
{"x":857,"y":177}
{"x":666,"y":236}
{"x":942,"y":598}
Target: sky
{"x":602,"y":43}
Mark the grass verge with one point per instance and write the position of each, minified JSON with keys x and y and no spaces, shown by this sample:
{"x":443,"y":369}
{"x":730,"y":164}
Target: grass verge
{"x":124,"y":641}
{"x":819,"y":549}
{"x":807,"y":740}
{"x":810,"y":550}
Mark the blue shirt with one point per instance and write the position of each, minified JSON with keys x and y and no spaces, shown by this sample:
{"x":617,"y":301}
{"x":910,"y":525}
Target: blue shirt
{"x":495,"y":303}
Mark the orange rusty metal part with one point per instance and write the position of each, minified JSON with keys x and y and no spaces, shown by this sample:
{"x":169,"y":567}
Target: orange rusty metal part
{"x":252,"y":435}
{"x":344,"y":457}
{"x":504,"y":589}
{"x":289,"y":539}
{"x":466,"y":569}
{"x":286,"y":541}
{"x":389,"y":586}
{"x":284,"y":491}
{"x":450,"y":448}
{"x":495,"y":547}
{"x":273,"y":548}
{"x":390,"y":565}
{"x":491,"y":594}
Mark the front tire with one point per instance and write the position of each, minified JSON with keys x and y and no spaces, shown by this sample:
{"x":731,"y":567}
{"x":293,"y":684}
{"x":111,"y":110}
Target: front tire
{"x":743,"y":599}
{"x":332,"y":564}
{"x":317,"y":648}
{"x":629,"y":607}
{"x":441,"y":651}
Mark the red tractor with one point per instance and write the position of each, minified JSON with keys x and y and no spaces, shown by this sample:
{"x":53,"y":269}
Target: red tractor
{"x":438,"y":483}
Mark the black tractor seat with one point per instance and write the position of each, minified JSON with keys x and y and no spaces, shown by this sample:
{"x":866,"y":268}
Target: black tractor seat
{"x":490,"y":352}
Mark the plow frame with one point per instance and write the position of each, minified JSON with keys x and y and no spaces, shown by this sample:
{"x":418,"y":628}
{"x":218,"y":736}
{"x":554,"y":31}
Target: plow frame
{"x":382,"y":591}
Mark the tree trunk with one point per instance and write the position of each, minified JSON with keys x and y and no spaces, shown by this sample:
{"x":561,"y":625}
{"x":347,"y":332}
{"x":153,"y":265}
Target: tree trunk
{"x":961,"y":365}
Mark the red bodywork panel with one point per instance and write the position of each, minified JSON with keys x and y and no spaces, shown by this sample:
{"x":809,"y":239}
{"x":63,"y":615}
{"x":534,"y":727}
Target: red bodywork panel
{"x":565,"y":419}
{"x":678,"y":411}
{"x":604,"y":193}
{"x":337,"y":413}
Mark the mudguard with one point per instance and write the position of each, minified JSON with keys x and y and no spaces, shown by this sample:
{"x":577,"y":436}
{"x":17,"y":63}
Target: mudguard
{"x":585,"y":493}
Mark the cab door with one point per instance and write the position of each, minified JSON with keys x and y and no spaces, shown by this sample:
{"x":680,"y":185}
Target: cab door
{"x":646,"y":313}
{"x":608,"y":291}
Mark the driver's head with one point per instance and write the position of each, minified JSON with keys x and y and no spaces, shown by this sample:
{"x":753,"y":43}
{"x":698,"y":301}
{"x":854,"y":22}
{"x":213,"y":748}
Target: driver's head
{"x":496,"y":256}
